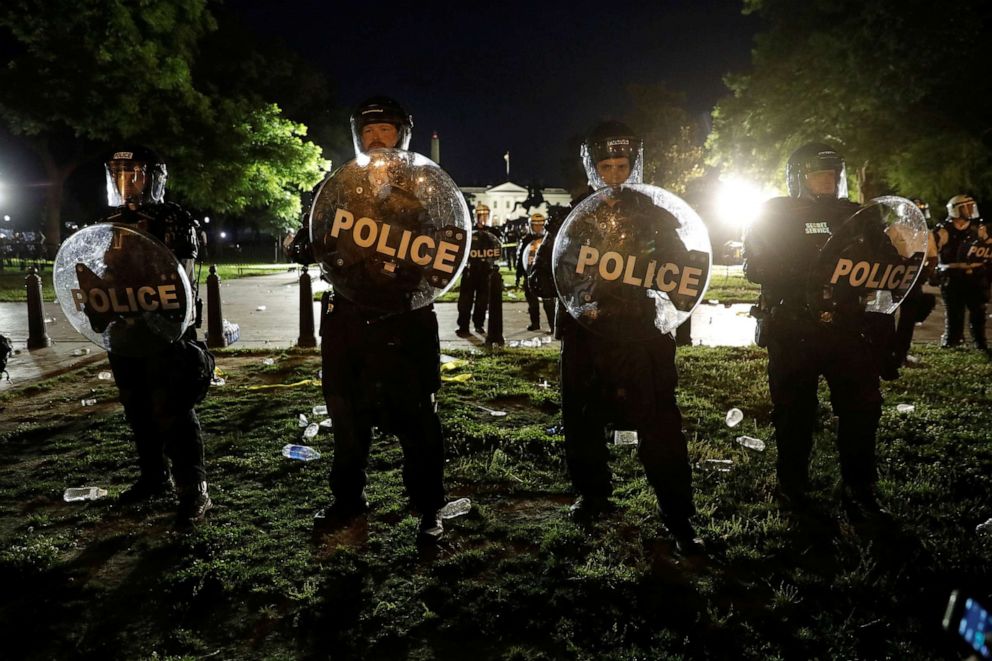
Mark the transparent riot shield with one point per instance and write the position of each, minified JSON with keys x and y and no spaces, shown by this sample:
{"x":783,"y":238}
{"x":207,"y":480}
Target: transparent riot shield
{"x":486,"y":248}
{"x":632,"y":262}
{"x":122,"y":289}
{"x":871,"y":261}
{"x":390,"y":230}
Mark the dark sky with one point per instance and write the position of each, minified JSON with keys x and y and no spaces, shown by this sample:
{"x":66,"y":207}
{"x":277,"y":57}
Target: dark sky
{"x":517,"y":76}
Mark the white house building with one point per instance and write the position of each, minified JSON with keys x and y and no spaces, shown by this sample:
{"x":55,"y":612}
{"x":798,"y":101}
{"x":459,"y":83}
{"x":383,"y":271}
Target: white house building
{"x":502,"y":200}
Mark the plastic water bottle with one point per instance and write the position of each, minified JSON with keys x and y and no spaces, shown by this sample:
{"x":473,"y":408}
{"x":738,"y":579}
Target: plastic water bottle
{"x":734,"y":417}
{"x":269,"y":361}
{"x":303,"y":421}
{"x":300,"y":452}
{"x":320,"y":410}
{"x":455,"y":508}
{"x":87,"y":402}
{"x":105,"y":376}
{"x":719,"y":465}
{"x":752,"y":443}
{"x":326,"y":424}
{"x":905,"y":408}
{"x":984,"y":528}
{"x":625,"y":437}
{"x":311,"y":430}
{"x":75,"y":494}
{"x":217,"y":381}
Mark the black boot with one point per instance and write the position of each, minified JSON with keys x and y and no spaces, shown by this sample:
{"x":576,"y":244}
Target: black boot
{"x":341,"y":513}
{"x":430,"y":529}
{"x":586,"y":509}
{"x":194,"y":501}
{"x":687,"y":542}
{"x":148,"y":487}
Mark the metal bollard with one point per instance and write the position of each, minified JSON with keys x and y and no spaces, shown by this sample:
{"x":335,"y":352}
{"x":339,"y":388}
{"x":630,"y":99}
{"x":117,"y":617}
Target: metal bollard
{"x":306,"y":338}
{"x":215,"y":317}
{"x":494,"y":329}
{"x":37,"y":335}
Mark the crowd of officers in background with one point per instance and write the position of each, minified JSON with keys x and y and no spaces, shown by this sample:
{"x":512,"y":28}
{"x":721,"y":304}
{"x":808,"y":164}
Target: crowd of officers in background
{"x":21,"y":249}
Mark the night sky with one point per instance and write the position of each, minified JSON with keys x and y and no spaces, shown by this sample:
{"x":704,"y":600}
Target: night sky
{"x":517,"y":76}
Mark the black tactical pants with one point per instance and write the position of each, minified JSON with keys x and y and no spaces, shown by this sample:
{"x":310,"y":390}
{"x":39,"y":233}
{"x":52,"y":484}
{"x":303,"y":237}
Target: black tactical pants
{"x":607,"y":386}
{"x":533,"y":309}
{"x":915,"y":308}
{"x":383,"y":373}
{"x":474,"y":289}
{"x":158,"y":402}
{"x":964,"y":292}
{"x":798,"y":353}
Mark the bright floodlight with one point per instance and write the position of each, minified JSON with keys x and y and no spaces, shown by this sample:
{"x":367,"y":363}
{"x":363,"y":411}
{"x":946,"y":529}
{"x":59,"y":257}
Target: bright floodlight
{"x":206,"y":219}
{"x":739,"y":201}
{"x":223,"y":235}
{"x":6,"y":217}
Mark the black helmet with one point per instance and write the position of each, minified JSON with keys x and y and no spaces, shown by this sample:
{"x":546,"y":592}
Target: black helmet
{"x":612,"y":140}
{"x":381,"y":110}
{"x":135,"y":176}
{"x":815,"y":157}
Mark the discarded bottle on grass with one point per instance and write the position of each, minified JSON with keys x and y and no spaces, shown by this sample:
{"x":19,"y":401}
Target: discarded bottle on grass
{"x":269,"y":361}
{"x":719,"y":465}
{"x":105,"y":376}
{"x":303,"y":421}
{"x":300,"y":452}
{"x":513,"y":344}
{"x":984,"y":528}
{"x":751,"y":443}
{"x":905,"y":408}
{"x":76,"y":494}
{"x":456,"y":508}
{"x":734,"y":417}
{"x":326,"y":424}
{"x":625,"y":437}
{"x":311,"y":430}
{"x":217,"y":381}
{"x":320,"y":410}
{"x":87,"y":402}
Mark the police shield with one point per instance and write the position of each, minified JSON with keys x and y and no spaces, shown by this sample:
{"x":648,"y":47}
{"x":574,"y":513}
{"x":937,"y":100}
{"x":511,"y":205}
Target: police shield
{"x":391,"y":230}
{"x":486,"y":248}
{"x":871,"y":261}
{"x":632,"y":262}
{"x":123,"y":289}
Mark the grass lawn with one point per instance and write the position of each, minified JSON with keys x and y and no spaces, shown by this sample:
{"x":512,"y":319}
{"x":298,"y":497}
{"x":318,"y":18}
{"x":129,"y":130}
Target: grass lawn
{"x":12,"y":280}
{"x":513,"y":579}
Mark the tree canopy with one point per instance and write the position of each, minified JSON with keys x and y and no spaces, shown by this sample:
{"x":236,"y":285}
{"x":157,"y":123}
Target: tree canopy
{"x":101,"y":72}
{"x":898,"y":86}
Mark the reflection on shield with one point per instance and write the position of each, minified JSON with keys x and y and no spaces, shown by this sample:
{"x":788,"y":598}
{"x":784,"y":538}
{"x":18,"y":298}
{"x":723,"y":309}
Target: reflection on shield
{"x":632,"y":262}
{"x":871,"y":261}
{"x":123,"y":289}
{"x":391,"y":230}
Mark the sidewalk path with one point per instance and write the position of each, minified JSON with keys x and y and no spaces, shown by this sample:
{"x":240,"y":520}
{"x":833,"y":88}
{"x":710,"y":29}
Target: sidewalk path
{"x":277,"y":326}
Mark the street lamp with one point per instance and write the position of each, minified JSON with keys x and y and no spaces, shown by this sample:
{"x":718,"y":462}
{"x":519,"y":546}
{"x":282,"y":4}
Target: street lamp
{"x":206,"y":220}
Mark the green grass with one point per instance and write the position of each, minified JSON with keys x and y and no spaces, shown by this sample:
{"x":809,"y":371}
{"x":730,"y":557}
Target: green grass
{"x":12,"y":289}
{"x":515,"y":578}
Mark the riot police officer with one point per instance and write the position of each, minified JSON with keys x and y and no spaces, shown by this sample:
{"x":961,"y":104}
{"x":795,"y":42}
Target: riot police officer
{"x":159,"y":391}
{"x":382,"y":369}
{"x":526,"y":256}
{"x":474,"y":287}
{"x":609,"y":384}
{"x":963,"y":277}
{"x":804,"y":343}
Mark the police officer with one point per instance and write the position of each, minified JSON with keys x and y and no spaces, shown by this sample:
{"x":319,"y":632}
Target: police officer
{"x":803,"y":343}
{"x":526,"y":256}
{"x":474,"y":287}
{"x":916,"y":305}
{"x":608,"y":384}
{"x":381,"y":370}
{"x":159,"y":392}
{"x":963,"y":276}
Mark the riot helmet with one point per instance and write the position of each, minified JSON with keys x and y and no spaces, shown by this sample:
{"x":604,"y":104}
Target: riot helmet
{"x":377,"y":111}
{"x":135,"y":176}
{"x":922,"y":205}
{"x":481,"y":214}
{"x":812,"y":168}
{"x":962,"y":207}
{"x":608,"y":143}
{"x":537,"y":222}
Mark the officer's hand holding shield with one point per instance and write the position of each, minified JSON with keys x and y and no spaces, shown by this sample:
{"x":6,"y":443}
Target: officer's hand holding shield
{"x":123,"y":289}
{"x":631,"y":262}
{"x":872,"y":260}
{"x":391,"y":230}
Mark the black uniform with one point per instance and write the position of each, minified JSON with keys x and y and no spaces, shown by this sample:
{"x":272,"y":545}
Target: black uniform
{"x":964,"y":282}
{"x":803,"y":344}
{"x":607,"y":384}
{"x":474,"y":287}
{"x":525,"y":263}
{"x":158,"y":392}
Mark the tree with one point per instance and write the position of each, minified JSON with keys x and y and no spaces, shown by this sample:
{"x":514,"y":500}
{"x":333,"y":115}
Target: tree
{"x":672,"y":145}
{"x":898,"y":86}
{"x":103,"y":71}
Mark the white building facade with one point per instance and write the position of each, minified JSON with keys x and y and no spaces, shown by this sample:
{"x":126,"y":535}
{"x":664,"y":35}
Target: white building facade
{"x":502,"y":200}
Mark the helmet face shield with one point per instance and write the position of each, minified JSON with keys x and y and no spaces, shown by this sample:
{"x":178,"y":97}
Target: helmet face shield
{"x":603,"y":160}
{"x":373,"y":114}
{"x":135,"y":178}
{"x":805,"y":170}
{"x":962,"y":206}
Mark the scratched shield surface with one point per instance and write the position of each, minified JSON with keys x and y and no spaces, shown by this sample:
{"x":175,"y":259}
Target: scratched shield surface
{"x":390,"y":230}
{"x":122,"y":289}
{"x":632,"y":262}
{"x":871,"y":261}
